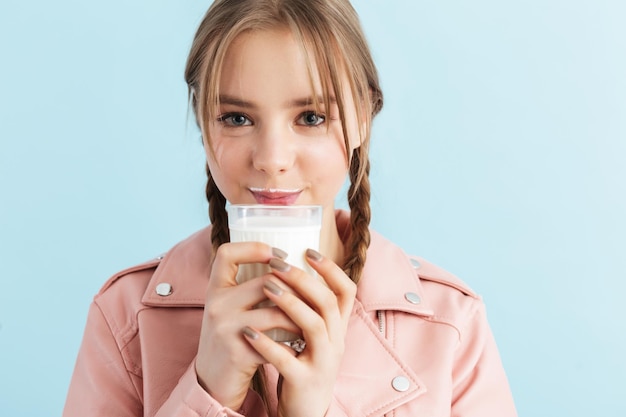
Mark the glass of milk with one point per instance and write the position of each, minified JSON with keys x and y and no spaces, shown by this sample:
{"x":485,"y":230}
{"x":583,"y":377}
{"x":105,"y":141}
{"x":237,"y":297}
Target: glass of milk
{"x":293,"y":229}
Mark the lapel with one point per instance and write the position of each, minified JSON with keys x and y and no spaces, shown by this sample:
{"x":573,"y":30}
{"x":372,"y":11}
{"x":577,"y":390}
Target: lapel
{"x":371,"y":365}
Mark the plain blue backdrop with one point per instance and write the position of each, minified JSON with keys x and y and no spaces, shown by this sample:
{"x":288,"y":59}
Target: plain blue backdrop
{"x":500,"y":155}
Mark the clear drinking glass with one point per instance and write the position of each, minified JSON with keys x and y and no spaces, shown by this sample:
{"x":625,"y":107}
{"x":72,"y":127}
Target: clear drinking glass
{"x":293,"y":229}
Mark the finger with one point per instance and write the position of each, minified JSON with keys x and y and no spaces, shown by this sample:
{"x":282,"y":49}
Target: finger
{"x":229,"y":256}
{"x":278,"y":354}
{"x":321,"y":297}
{"x":307,"y":287}
{"x":226,"y":322}
{"x":268,"y":318}
{"x":314,"y":326}
{"x":336,"y":279}
{"x":241,"y":297}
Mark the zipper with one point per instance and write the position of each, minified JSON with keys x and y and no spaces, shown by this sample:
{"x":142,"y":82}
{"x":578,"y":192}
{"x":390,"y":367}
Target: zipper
{"x":381,"y":321}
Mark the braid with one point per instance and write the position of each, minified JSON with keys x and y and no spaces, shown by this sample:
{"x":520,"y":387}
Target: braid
{"x":217,"y":212}
{"x":360,"y":215}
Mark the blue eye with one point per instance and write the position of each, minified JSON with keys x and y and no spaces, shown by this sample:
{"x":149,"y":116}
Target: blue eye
{"x":234,"y":119}
{"x":311,"y":119}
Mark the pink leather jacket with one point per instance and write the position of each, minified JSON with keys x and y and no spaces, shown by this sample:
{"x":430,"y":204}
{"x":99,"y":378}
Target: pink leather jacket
{"x":418,"y":343}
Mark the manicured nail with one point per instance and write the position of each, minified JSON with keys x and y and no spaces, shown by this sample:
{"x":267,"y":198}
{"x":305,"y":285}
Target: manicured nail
{"x":313,"y":254}
{"x":273,"y":288}
{"x":249,"y":333}
{"x":281,"y":254}
{"x":279,"y":265}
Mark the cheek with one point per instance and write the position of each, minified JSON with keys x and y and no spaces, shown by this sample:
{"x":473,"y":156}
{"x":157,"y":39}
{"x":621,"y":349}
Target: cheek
{"x":327,"y":164}
{"x":221,"y":163}
{"x":224,"y":154}
{"x":328,"y":152}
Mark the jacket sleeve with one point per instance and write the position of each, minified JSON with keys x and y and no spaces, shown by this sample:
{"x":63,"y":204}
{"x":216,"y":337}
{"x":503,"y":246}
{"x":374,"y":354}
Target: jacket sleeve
{"x":103,"y":385}
{"x":189,"y":399}
{"x":480,"y":385}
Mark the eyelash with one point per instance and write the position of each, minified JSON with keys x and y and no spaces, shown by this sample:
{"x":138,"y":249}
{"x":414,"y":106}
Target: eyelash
{"x":227,"y":119}
{"x":321,"y":117}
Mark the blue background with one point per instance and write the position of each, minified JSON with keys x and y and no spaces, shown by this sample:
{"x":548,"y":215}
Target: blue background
{"x":500,"y":155}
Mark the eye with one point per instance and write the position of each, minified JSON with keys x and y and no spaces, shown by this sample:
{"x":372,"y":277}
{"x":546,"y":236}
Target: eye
{"x":234,"y":120}
{"x":311,"y":118}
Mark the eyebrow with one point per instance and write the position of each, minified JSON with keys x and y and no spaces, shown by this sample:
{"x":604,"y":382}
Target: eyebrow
{"x":300,"y":102}
{"x":236,"y":101}
{"x":307,"y":101}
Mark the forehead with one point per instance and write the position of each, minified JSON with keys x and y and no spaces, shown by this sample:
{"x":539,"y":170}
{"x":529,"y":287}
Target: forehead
{"x":260,"y":59}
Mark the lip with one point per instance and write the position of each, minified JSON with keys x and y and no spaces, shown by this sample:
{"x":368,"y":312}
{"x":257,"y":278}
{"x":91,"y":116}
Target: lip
{"x":275,"y":196}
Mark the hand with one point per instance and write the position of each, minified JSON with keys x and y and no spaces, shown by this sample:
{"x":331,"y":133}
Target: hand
{"x":225,"y":362}
{"x":322,"y":313}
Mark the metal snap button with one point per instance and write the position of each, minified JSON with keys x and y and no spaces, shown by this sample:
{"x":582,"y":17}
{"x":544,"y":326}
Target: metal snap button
{"x":400,"y":384}
{"x":415,"y":263}
{"x":164,"y":289}
{"x":412,"y":298}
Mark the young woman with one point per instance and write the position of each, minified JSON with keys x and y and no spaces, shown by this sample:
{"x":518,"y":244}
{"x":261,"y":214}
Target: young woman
{"x":284,"y":92}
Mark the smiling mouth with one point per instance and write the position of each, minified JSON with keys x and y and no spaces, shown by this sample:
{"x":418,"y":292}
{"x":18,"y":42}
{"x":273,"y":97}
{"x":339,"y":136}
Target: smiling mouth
{"x":275,"y":196}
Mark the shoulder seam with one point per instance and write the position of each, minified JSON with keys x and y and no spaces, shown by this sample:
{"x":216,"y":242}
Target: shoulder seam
{"x":451,"y":281}
{"x":140,"y":267}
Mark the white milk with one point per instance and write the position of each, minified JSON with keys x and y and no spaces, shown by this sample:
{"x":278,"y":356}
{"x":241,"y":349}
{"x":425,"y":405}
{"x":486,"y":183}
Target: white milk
{"x":284,"y":233}
{"x":278,"y":232}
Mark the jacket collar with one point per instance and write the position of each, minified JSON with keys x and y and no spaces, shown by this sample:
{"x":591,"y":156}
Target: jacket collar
{"x":186,"y":269}
{"x":389,"y":279}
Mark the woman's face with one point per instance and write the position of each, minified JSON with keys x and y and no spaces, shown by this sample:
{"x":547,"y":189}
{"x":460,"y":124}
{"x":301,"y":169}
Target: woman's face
{"x":270,"y":145}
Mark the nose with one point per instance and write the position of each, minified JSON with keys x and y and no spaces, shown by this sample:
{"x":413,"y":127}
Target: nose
{"x":274,"y":152}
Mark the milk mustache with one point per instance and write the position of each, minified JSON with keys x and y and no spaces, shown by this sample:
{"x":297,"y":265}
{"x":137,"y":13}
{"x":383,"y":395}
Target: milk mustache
{"x":293,"y":229}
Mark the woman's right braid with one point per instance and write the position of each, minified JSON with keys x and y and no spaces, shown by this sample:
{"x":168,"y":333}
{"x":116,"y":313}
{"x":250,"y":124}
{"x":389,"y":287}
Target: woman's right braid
{"x":217,"y":212}
{"x":360,"y":215}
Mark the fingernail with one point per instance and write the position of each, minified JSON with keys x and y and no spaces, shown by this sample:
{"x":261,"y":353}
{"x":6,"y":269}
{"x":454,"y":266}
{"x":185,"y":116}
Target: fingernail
{"x":279,"y":253}
{"x":249,"y":333}
{"x":279,"y":265}
{"x":313,"y":254}
{"x":273,"y":288}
